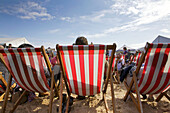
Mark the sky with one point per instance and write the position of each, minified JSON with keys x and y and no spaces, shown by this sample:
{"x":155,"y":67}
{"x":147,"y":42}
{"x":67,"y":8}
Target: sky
{"x":51,"y":22}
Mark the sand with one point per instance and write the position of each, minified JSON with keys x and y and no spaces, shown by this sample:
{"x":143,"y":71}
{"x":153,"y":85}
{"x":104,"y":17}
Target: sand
{"x":93,"y":104}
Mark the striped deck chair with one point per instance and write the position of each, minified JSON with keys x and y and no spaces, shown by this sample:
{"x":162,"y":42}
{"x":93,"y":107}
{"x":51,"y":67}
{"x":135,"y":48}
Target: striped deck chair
{"x":136,"y":58}
{"x":115,"y":71}
{"x":156,"y":73}
{"x":26,"y":65}
{"x":83,"y":66}
{"x":116,"y":75}
{"x":123,"y":56}
{"x":131,"y":57}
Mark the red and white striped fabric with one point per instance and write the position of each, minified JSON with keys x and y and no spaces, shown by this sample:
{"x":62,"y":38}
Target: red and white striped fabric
{"x":44,"y":63}
{"x":114,"y":63}
{"x":156,"y":73}
{"x":137,"y":57}
{"x":131,"y":57}
{"x":123,"y":57}
{"x":26,"y":66}
{"x":166,"y":89}
{"x":84,"y":67}
{"x":134,"y":59}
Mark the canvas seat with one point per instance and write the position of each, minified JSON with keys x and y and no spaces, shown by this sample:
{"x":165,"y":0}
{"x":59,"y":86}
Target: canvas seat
{"x":27,"y":66}
{"x":83,"y":70}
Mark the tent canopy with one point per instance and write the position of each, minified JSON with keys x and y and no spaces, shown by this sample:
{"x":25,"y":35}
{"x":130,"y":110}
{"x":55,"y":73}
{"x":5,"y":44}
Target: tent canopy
{"x":14,"y":41}
{"x":158,"y":39}
{"x":161,"y":39}
{"x":121,"y":50}
{"x":128,"y":48}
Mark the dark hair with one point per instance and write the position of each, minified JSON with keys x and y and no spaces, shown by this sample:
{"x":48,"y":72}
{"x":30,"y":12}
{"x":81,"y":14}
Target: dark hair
{"x":124,"y":48}
{"x":81,"y":41}
{"x":25,"y":46}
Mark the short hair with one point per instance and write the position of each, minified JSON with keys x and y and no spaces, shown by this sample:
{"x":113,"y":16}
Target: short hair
{"x":124,"y":48}
{"x":81,"y":41}
{"x":26,"y":46}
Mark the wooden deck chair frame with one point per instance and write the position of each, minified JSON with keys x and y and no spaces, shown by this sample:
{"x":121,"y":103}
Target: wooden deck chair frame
{"x":116,"y":74}
{"x":114,"y":71}
{"x":109,"y":78}
{"x":137,"y":58}
{"x":164,"y":93}
{"x":5,"y":83}
{"x":133,"y":58}
{"x":138,"y":104}
{"x":19,"y":99}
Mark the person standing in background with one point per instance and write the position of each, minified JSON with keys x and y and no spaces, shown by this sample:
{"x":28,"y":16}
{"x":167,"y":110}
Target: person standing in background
{"x":10,"y":46}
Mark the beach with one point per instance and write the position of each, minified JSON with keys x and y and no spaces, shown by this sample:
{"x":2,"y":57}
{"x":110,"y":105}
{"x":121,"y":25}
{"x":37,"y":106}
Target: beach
{"x":93,"y":104}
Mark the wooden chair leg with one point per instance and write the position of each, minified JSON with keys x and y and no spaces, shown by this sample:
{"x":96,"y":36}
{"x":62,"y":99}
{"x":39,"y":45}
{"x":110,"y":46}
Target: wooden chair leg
{"x":132,"y":97}
{"x":167,"y":96}
{"x":113,"y":96}
{"x":56,"y":89}
{"x":104,"y":94}
{"x":137,"y":93}
{"x":128,"y":90}
{"x":116,"y":79}
{"x":51,"y":93}
{"x":161,"y":95}
{"x":67,"y":105}
{"x":18,"y":101}
{"x":6,"y":94}
{"x":61,"y":96}
{"x":105,"y":102}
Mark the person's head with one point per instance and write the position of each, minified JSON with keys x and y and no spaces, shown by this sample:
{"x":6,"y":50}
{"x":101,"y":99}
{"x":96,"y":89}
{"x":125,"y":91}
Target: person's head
{"x":10,"y":45}
{"x":81,"y":41}
{"x":124,"y":48}
{"x":118,"y":56}
{"x":25,"y":46}
{"x":1,"y":47}
{"x":51,"y":55}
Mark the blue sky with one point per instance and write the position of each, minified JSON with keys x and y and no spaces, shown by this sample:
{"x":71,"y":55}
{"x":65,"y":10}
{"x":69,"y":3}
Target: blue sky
{"x":48,"y":22}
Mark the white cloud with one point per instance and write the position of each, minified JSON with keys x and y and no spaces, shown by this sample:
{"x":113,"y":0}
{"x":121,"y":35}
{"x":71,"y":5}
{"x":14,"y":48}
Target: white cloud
{"x":96,"y":17}
{"x":138,"y":13}
{"x":99,"y":35}
{"x":68,"y":19}
{"x":28,"y":10}
{"x":137,"y":46}
{"x":165,"y":30}
{"x":53,"y":31}
{"x":144,"y":11}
